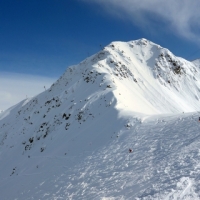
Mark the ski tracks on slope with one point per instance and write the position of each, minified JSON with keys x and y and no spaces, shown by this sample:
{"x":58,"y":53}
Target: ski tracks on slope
{"x":164,"y":164}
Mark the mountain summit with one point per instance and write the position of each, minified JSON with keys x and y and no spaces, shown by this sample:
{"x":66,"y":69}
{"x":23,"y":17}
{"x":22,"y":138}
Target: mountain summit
{"x":116,"y":126}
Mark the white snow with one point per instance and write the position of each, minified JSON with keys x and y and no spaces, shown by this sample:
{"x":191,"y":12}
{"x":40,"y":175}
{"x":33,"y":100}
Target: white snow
{"x":72,"y":141}
{"x":196,"y":62}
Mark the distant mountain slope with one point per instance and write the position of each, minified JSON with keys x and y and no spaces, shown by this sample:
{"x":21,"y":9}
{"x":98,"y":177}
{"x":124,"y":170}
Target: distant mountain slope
{"x":196,"y":62}
{"x":72,"y":141}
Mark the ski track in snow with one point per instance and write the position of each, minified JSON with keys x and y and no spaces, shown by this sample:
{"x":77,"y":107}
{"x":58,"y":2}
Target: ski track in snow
{"x":164,"y":164}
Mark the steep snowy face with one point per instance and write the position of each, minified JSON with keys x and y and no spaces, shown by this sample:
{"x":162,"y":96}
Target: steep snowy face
{"x":141,"y":76}
{"x":147,"y":78}
{"x":169,"y":83}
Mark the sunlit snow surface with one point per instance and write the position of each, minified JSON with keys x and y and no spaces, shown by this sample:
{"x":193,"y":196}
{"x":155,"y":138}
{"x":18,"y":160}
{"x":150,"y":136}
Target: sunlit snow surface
{"x":73,"y":141}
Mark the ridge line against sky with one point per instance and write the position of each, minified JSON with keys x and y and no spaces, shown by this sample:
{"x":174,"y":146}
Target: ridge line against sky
{"x":43,"y":38}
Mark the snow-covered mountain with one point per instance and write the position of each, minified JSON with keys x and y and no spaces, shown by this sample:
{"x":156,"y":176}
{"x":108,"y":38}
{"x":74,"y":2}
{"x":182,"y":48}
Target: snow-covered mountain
{"x":72,"y":141}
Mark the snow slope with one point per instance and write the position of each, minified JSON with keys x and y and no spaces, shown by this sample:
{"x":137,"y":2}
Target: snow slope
{"x":196,"y":62}
{"x":72,"y":141}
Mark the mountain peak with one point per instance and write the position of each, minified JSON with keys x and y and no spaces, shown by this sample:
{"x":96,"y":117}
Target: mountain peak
{"x":144,"y":70}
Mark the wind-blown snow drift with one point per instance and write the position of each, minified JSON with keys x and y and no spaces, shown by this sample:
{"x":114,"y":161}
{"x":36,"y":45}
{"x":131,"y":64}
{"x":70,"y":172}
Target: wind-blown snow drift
{"x":72,"y":141}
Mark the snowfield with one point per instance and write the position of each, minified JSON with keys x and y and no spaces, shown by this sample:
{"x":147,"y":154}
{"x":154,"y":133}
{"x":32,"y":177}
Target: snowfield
{"x":73,"y":140}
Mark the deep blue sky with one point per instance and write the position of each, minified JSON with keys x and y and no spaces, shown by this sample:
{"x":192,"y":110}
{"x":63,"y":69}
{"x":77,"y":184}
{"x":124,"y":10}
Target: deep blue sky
{"x":40,"y":37}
